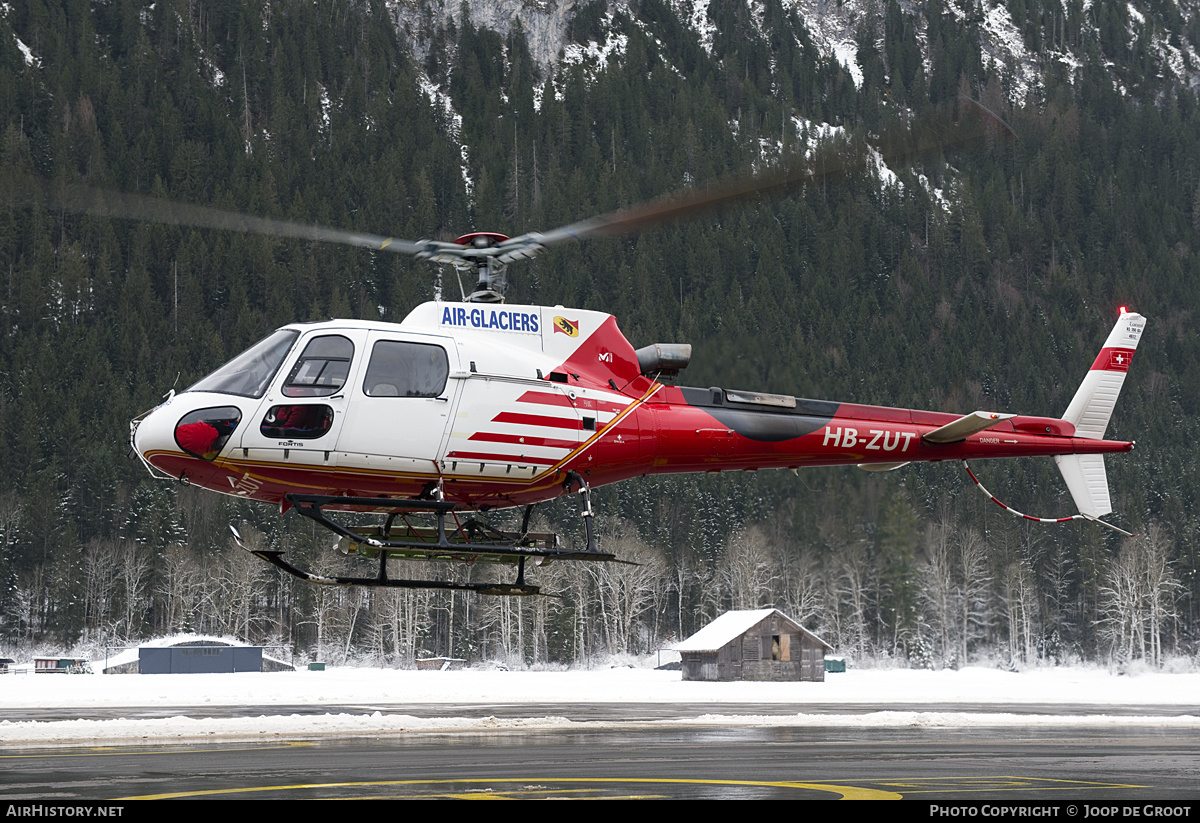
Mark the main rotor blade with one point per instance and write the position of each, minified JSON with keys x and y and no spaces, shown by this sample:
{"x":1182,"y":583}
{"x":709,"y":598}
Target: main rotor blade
{"x":84,"y":200}
{"x":896,"y":147}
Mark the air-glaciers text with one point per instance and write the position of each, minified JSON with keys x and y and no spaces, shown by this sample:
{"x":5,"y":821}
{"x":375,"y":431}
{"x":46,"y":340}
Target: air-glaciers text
{"x":500,"y":319}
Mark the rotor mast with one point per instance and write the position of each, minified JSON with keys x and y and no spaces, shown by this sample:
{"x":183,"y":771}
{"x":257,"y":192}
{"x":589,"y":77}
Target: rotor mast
{"x":481,"y":252}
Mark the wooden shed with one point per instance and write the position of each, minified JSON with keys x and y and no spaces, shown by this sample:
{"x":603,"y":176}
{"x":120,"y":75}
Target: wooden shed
{"x":758,"y":644}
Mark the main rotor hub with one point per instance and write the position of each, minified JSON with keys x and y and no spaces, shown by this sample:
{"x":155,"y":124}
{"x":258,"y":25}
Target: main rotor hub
{"x":481,"y":255}
{"x":481,"y":239}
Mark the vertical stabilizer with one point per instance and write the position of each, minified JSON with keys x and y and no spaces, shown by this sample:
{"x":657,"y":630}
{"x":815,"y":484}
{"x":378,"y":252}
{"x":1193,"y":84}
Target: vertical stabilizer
{"x":1090,"y":411}
{"x":1087,"y":483}
{"x":1093,"y":404}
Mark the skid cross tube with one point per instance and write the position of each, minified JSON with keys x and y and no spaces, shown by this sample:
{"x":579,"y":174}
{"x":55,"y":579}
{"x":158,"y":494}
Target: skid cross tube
{"x":469,"y":540}
{"x":520,"y":588}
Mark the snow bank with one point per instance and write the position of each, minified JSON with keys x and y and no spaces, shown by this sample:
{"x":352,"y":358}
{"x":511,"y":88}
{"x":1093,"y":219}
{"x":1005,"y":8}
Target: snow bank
{"x":1093,"y":693}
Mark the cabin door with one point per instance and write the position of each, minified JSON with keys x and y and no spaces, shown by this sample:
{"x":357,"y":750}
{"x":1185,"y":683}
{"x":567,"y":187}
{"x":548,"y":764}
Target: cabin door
{"x":400,"y":405}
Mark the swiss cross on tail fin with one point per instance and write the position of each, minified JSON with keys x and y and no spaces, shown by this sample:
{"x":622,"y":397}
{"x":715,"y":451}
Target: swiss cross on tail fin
{"x":1090,"y":411}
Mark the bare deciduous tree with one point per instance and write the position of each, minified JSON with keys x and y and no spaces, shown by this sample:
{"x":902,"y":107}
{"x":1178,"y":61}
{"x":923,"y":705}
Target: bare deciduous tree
{"x":747,"y":570}
{"x":853,"y":597}
{"x":1138,"y":597}
{"x":400,"y":616}
{"x":1019,"y":595}
{"x":99,"y":584}
{"x":179,"y":587}
{"x":134,"y":570}
{"x":626,"y":590}
{"x":976,"y":583}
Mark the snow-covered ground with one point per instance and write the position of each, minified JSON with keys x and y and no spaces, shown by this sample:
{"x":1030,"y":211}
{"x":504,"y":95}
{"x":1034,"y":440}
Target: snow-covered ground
{"x":862,"y":692}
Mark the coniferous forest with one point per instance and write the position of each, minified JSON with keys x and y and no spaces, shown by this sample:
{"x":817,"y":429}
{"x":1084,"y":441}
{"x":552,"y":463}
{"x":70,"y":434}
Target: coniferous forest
{"x":984,"y":278}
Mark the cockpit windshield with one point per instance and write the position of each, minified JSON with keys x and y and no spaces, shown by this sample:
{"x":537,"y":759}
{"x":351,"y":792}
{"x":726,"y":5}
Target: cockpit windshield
{"x":250,"y":372}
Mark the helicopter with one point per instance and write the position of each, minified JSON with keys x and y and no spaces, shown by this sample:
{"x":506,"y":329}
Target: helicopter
{"x":473,"y":406}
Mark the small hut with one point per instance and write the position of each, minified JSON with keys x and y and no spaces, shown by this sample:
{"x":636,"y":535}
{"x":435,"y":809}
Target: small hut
{"x":192,"y":654}
{"x":758,"y":644}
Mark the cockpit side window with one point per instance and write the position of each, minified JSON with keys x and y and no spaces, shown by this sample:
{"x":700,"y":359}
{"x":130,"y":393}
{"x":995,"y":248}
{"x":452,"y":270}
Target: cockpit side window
{"x":322,"y":368}
{"x":249,"y":374}
{"x":400,"y":369}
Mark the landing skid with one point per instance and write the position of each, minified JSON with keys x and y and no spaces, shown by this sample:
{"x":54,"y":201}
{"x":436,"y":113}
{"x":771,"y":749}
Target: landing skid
{"x":467,"y":540}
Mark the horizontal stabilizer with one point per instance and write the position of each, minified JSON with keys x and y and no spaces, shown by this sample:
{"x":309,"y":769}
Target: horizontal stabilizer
{"x":965,"y":426}
{"x":1087,"y":483}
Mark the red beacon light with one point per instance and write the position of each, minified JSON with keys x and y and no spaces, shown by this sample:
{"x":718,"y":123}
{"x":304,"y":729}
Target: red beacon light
{"x":1124,"y":310}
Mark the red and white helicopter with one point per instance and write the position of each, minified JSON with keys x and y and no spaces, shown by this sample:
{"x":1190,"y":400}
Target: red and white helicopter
{"x":466,"y":407}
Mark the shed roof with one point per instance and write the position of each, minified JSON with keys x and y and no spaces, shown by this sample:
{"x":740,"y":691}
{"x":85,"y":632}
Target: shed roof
{"x":732,"y":625}
{"x":725,"y":628}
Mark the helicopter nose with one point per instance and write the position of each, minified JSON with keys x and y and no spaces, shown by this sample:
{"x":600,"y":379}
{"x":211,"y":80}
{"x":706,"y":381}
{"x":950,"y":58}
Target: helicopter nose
{"x":178,"y":429}
{"x":150,"y":434}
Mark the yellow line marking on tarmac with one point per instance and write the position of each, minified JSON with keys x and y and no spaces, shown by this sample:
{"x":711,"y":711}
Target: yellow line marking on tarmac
{"x":926,"y":785}
{"x":543,"y":793}
{"x":846,"y":792}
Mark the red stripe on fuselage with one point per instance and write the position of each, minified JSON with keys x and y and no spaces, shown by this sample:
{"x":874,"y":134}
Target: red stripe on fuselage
{"x":515,"y":459}
{"x":544,"y":398}
{"x":552,"y":399}
{"x":589,"y":404}
{"x":524,"y":440}
{"x":538,"y":420}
